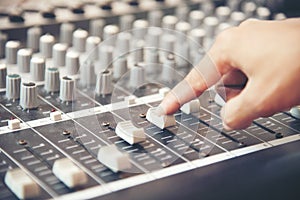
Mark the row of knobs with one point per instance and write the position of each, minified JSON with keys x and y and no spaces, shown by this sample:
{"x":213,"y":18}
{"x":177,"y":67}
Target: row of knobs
{"x":27,"y":91}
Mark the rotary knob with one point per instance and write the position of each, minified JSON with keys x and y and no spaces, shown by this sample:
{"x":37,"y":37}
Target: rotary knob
{"x":104,"y":83}
{"x":79,"y":40}
{"x":37,"y":69}
{"x":33,"y":36}
{"x":23,"y":60}
{"x":13,"y":83}
{"x":72,"y":63}
{"x":52,"y":80}
{"x":3,"y":73}
{"x":59,"y":54}
{"x":137,"y":76}
{"x":46,"y":44}
{"x":66,"y":31}
{"x":67,"y":89}
{"x":87,"y":74}
{"x":11,"y":49}
{"x":28,"y":96}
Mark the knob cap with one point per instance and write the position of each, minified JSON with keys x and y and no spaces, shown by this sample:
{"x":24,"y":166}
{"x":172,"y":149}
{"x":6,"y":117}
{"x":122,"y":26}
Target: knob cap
{"x":140,"y":29}
{"x":3,"y":73}
{"x":137,"y":76}
{"x":28,"y":96}
{"x":37,"y":69}
{"x":33,"y":37}
{"x":59,"y":54}
{"x":104,"y":83}
{"x":106,"y":55}
{"x":153,"y":36}
{"x":72,"y":63}
{"x":123,"y":43}
{"x":23,"y":60}
{"x":46,"y":44}
{"x":52,"y":80}
{"x":108,"y":32}
{"x":13,"y":83}
{"x":67,"y":89}
{"x":11,"y":48}
{"x":66,"y":31}
{"x":79,"y":39}
{"x":169,"y":22}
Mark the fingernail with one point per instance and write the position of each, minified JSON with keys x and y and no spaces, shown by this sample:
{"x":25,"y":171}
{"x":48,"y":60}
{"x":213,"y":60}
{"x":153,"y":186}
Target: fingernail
{"x":227,"y":128}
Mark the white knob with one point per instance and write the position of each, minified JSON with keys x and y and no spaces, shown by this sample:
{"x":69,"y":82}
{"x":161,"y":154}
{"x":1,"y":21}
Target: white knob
{"x":223,"y":13}
{"x":37,"y":69}
{"x":46,"y":44}
{"x":96,"y":27}
{"x":23,"y":60}
{"x":196,"y":18}
{"x":92,"y":43}
{"x":59,"y":54}
{"x":3,"y":40}
{"x":66,"y":31}
{"x":126,"y":22}
{"x":33,"y":37}
{"x":79,"y":40}
{"x":87,"y":74}
{"x":119,"y":67}
{"x":137,"y":76}
{"x":72,"y":63}
{"x":11,"y":49}
{"x":155,"y":17}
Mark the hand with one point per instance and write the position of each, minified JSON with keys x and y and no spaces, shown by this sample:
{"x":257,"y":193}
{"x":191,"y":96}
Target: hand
{"x":261,"y":56}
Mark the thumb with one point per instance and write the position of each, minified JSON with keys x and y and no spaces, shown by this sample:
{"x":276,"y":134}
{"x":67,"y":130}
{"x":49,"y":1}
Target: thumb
{"x":241,"y":110}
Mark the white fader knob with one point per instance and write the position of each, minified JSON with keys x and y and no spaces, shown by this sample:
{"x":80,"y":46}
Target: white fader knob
{"x":23,"y":60}
{"x":295,"y":112}
{"x":3,"y":73}
{"x":191,"y":107}
{"x":28,"y":96}
{"x":13,"y":83}
{"x":37,"y":69}
{"x":79,"y":40}
{"x":59,"y":54}
{"x":46,"y":44}
{"x":33,"y":36}
{"x":69,"y":173}
{"x":104,"y":83}
{"x":11,"y":49}
{"x":161,"y":121}
{"x":52,"y":80}
{"x":67,"y":89}
{"x":130,"y":133}
{"x":111,"y":157}
{"x":21,"y":184}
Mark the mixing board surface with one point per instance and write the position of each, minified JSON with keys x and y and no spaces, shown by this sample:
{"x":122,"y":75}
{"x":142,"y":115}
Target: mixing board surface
{"x":77,"y":80}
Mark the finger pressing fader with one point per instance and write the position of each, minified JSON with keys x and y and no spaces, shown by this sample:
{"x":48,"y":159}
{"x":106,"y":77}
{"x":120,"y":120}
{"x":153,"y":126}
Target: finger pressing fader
{"x":162,"y":121}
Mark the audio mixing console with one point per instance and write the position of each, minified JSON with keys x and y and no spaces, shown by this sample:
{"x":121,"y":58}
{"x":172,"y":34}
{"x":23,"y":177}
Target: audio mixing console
{"x":79,"y":81}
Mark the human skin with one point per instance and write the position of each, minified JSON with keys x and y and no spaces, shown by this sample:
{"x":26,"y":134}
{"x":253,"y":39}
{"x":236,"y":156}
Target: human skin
{"x":260,"y":59}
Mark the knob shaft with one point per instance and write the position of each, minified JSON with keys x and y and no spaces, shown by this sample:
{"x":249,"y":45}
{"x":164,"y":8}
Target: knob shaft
{"x":13,"y":83}
{"x":28,"y":96}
